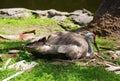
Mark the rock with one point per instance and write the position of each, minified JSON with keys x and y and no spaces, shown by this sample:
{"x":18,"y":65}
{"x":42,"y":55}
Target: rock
{"x":49,"y":13}
{"x":53,"y":13}
{"x":81,"y":19}
{"x":40,"y":13}
{"x":15,"y":13}
{"x":59,"y":18}
{"x":87,"y":11}
{"x":78,"y":12}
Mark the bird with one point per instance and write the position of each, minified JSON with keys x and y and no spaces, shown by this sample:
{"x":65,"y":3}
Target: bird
{"x":70,"y":44}
{"x":91,"y":37}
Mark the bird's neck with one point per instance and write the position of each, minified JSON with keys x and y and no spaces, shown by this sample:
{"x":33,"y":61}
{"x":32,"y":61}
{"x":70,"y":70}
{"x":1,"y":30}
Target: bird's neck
{"x":90,"y":49}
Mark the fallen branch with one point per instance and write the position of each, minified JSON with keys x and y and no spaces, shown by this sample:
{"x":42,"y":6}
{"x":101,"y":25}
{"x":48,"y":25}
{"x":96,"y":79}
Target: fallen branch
{"x":17,"y":65}
{"x":32,"y":31}
{"x":113,"y":68}
{"x":106,"y":64}
{"x":22,"y":36}
{"x":9,"y":37}
{"x":88,"y":63}
{"x":22,"y":67}
{"x":97,"y":55}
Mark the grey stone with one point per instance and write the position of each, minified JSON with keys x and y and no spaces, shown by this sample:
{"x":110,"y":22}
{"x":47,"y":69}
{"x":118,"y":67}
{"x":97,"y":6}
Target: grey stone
{"x":81,"y":19}
{"x":87,"y":11}
{"x":59,"y":18}
{"x":79,"y":16}
{"x":15,"y":13}
{"x":49,"y":13}
{"x":53,"y":12}
{"x":78,"y":12}
{"x":40,"y":13}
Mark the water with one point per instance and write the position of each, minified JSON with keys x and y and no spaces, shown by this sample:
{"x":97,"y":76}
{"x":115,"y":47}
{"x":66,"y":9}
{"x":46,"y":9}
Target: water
{"x":61,"y":5}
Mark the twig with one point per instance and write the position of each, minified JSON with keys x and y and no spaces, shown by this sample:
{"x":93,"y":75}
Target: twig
{"x":6,"y":63}
{"x":92,"y":60}
{"x":106,"y":48}
{"x":100,"y":57}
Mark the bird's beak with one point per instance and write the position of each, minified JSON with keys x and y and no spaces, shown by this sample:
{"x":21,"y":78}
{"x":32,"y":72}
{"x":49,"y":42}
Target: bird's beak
{"x":96,"y":46}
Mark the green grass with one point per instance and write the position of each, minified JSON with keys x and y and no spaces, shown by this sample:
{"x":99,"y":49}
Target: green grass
{"x":69,"y":25}
{"x":45,"y":70}
{"x":6,"y":44}
{"x":49,"y":72}
{"x":108,"y":43}
{"x":42,"y":26}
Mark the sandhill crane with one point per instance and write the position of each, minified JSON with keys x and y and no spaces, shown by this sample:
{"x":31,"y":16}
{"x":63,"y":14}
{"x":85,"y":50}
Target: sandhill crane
{"x":70,"y":44}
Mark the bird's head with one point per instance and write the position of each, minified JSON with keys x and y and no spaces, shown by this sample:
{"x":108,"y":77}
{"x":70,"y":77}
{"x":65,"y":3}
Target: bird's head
{"x":92,"y":37}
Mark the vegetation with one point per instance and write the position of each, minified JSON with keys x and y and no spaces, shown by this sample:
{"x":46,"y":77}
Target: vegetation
{"x":42,"y":26}
{"x":67,"y":24}
{"x":46,"y":71}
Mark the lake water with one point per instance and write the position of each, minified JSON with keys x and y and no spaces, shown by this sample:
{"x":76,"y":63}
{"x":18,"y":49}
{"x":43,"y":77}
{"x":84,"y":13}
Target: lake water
{"x":61,"y":5}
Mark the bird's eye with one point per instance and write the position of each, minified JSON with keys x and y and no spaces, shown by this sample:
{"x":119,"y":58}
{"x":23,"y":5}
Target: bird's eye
{"x":94,"y":36}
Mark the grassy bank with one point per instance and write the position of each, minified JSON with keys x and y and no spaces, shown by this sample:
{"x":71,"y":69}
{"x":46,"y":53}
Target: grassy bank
{"x":46,"y":70}
{"x":42,"y":26}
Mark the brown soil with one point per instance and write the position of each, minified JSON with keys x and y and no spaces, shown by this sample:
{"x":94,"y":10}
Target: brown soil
{"x":106,"y":26}
{"x":106,"y":20}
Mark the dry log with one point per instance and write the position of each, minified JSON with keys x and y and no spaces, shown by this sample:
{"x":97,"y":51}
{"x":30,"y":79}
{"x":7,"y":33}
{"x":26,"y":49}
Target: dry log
{"x":22,"y":67}
{"x":17,"y":65}
{"x":113,"y":68}
{"x":22,"y":36}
